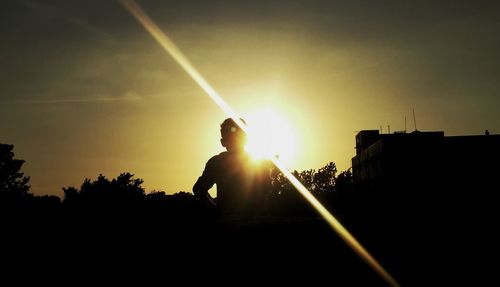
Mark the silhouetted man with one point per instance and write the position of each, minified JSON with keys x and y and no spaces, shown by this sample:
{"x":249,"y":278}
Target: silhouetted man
{"x":242,"y":184}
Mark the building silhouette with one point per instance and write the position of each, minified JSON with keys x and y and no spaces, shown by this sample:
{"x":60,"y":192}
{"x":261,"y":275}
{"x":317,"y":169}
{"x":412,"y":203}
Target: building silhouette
{"x":430,"y":198}
{"x":426,"y":161}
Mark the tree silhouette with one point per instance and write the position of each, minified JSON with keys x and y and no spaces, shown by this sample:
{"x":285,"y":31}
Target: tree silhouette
{"x":321,"y":181}
{"x":284,"y":196}
{"x":344,"y":182}
{"x":14,"y":185}
{"x":123,"y":191}
{"x":325,"y":178}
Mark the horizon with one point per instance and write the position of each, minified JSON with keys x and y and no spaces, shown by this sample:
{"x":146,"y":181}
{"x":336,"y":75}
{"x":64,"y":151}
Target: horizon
{"x":85,"y":91}
{"x":213,"y":190}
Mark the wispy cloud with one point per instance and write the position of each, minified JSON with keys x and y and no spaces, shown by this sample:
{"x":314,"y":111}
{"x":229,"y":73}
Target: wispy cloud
{"x":127,"y":97}
{"x":53,"y":12}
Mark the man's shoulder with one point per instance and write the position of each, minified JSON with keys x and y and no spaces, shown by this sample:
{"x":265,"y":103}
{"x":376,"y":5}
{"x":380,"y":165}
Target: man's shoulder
{"x":216,"y":158}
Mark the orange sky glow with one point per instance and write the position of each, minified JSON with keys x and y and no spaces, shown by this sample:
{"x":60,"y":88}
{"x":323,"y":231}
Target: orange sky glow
{"x":84,"y":93}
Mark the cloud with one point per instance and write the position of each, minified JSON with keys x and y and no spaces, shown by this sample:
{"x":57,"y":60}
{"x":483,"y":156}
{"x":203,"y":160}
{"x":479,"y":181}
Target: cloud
{"x":129,"y":96}
{"x":80,"y":23}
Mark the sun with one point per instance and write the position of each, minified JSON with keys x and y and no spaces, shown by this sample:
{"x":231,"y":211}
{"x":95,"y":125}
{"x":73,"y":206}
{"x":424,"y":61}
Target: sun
{"x":269,"y":134}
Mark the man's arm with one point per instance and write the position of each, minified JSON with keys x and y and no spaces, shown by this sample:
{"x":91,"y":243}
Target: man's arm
{"x":205,"y":182}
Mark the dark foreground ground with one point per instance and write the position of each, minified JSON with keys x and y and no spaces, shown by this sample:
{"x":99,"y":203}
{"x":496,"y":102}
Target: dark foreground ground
{"x":224,"y":252}
{"x":116,"y":247}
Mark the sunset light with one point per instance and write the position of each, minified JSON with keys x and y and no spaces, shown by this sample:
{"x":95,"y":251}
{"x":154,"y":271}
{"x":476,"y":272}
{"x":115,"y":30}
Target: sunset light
{"x":270,"y":134}
{"x":315,"y":141}
{"x":169,"y":47}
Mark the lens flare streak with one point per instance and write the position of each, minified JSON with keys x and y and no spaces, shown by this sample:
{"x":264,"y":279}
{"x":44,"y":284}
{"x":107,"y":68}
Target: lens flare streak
{"x":169,"y":46}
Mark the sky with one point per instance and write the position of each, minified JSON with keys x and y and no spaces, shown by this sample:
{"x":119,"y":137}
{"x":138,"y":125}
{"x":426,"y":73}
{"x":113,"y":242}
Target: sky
{"x":85,"y":90}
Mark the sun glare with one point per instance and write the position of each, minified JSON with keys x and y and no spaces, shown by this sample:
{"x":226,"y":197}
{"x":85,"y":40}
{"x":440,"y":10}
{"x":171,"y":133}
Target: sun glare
{"x":269,"y":134}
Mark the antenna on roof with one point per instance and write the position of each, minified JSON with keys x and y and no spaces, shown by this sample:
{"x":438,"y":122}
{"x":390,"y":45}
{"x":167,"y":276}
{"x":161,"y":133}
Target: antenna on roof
{"x":405,"y":124}
{"x":414,"y":119}
{"x":389,"y":129}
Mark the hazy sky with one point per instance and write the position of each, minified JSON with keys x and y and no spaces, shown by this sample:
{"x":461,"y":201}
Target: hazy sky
{"x":85,"y":90}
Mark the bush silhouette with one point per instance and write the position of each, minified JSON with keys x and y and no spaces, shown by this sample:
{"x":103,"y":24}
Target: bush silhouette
{"x":125,"y":191}
{"x":14,"y":185}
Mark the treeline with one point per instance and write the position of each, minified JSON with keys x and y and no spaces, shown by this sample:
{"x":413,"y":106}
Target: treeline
{"x":125,"y":192}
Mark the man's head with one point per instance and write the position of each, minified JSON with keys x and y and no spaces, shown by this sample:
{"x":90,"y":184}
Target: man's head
{"x":233,"y":138}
